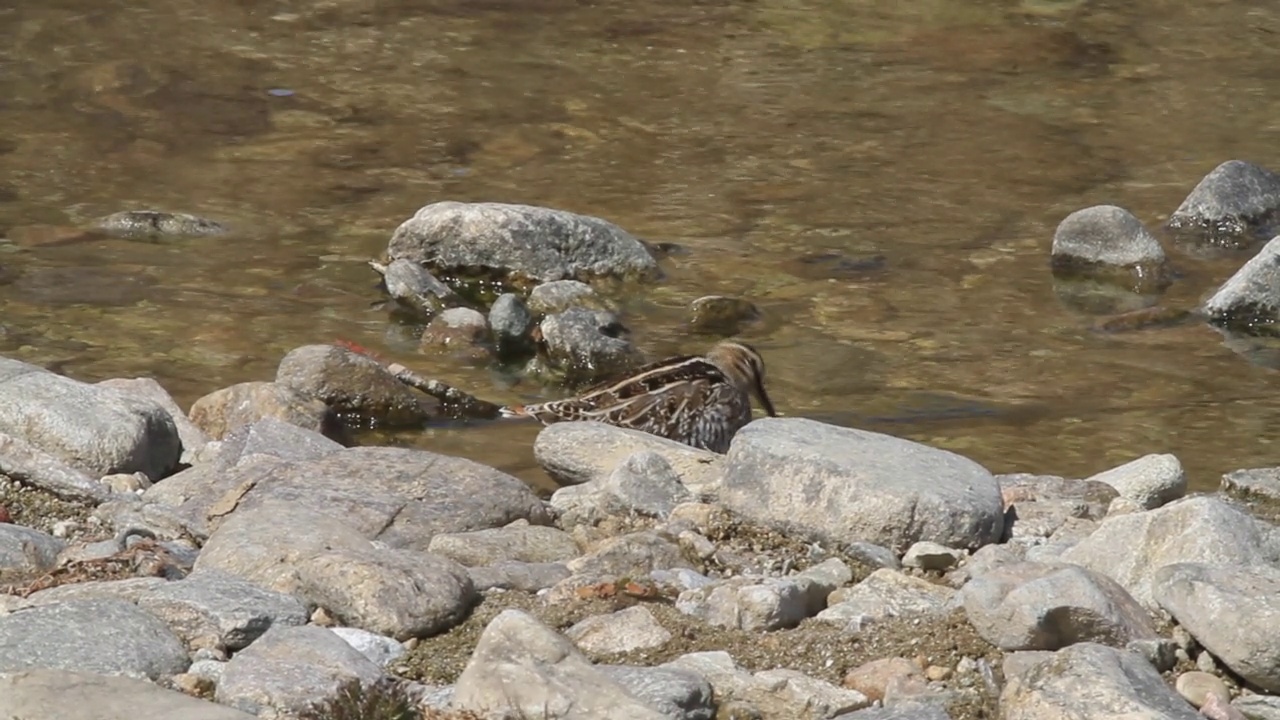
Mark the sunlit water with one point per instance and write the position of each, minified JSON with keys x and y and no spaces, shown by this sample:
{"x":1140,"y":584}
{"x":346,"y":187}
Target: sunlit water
{"x":949,"y":137}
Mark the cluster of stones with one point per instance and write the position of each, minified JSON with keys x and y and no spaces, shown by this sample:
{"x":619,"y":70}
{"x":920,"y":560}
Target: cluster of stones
{"x":266,"y":571}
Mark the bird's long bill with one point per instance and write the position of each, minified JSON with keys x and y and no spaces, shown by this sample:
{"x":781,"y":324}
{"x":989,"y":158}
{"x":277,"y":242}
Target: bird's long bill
{"x":763,"y":397}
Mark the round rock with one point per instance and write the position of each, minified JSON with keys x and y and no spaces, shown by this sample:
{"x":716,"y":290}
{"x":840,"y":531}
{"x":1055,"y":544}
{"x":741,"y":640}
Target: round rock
{"x":1108,"y":235}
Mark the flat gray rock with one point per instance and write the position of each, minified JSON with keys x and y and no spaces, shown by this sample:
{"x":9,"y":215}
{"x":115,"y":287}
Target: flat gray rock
{"x":1039,"y":606}
{"x":843,"y":485}
{"x":884,"y":594}
{"x":1233,"y":611}
{"x":1150,"y":481}
{"x":512,"y":575}
{"x":528,"y":242}
{"x":276,"y":438}
{"x":95,"y":429}
{"x":27,"y":549}
{"x":398,"y":496}
{"x":903,"y":711}
{"x":327,"y":563}
{"x":624,"y":631}
{"x":67,"y":695}
{"x":1087,"y":681}
{"x":1233,"y":196}
{"x":574,"y":453}
{"x":679,"y":694}
{"x":1106,"y":234}
{"x":762,"y":604}
{"x":107,"y":636}
{"x":1254,"y":483}
{"x":1197,"y":529}
{"x":1252,"y":295}
{"x":521,"y":543}
{"x":219,"y":611}
{"x":645,"y":483}
{"x":379,"y":649}
{"x":291,"y":669}
{"x":158,"y":223}
{"x":522,"y":666}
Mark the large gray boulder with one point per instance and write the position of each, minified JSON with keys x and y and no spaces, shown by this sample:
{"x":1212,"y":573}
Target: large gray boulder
{"x":328,"y":563}
{"x":1107,"y":235}
{"x":69,"y":695}
{"x":534,"y":243}
{"x":105,"y":635}
{"x":96,"y":429}
{"x":845,"y":485}
{"x":1199,"y":529}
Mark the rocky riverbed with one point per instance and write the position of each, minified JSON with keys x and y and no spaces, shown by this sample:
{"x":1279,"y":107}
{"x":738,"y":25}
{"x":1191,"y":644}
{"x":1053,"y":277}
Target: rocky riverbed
{"x":814,"y":571}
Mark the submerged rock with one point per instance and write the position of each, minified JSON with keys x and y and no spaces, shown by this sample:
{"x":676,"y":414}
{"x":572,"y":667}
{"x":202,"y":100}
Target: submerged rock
{"x":524,"y":241}
{"x":153,"y":223}
{"x":353,"y":383}
{"x":560,"y":295}
{"x":415,"y":288}
{"x":1235,"y":196}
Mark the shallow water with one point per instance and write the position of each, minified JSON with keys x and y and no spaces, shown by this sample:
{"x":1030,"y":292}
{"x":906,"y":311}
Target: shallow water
{"x":948,"y":137}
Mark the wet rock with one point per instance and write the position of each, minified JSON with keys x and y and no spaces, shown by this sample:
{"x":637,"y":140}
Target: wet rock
{"x":1196,"y":687}
{"x":222,"y":411}
{"x":511,"y":322}
{"x":523,"y":241}
{"x":1197,"y":529}
{"x":761,"y":604}
{"x":84,"y":696}
{"x":1108,"y":235}
{"x":1150,"y":481}
{"x":107,"y":636}
{"x":677,"y":694}
{"x":587,"y":345}
{"x":327,"y":563}
{"x":624,"y":631}
{"x":461,"y":330}
{"x":720,"y":315}
{"x":1254,"y":483}
{"x":845,"y":485}
{"x":1249,"y":301}
{"x":872,"y":678}
{"x":1038,"y":606}
{"x":522,"y":543}
{"x":1231,"y":198}
{"x":96,"y":430}
{"x":291,"y":669}
{"x":275,"y":438}
{"x":1233,"y":611}
{"x":932,"y":556}
{"x":555,"y":297}
{"x":350,"y":382}
{"x":885,"y":594}
{"x":214,"y":610}
{"x":415,"y":288}
{"x":1117,"y":683}
{"x":523,"y":667}
{"x":378,"y":649}
{"x":573,"y":453}
{"x":28,"y":550}
{"x":399,"y":496}
{"x":157,"y":223}
{"x":525,"y":577}
{"x":192,"y":437}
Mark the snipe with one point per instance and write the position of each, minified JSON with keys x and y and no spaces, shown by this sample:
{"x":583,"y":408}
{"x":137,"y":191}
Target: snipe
{"x":697,"y":400}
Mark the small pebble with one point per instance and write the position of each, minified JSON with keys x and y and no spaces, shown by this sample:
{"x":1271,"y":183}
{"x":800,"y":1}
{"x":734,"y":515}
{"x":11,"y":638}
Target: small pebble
{"x":322,"y":618}
{"x":192,"y":684}
{"x":5,"y":517}
{"x":1206,"y":663}
{"x":937,"y":673}
{"x":1196,"y":687}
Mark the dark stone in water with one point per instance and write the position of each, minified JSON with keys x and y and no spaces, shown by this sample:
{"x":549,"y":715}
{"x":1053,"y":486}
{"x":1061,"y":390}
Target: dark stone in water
{"x":1152,"y":317}
{"x":156,"y":223}
{"x":1249,"y":301}
{"x":82,"y":286}
{"x":836,"y":266}
{"x":1231,"y":204}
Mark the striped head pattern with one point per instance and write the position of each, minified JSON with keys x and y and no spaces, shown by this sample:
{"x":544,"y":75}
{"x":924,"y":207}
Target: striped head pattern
{"x":744,"y":367}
